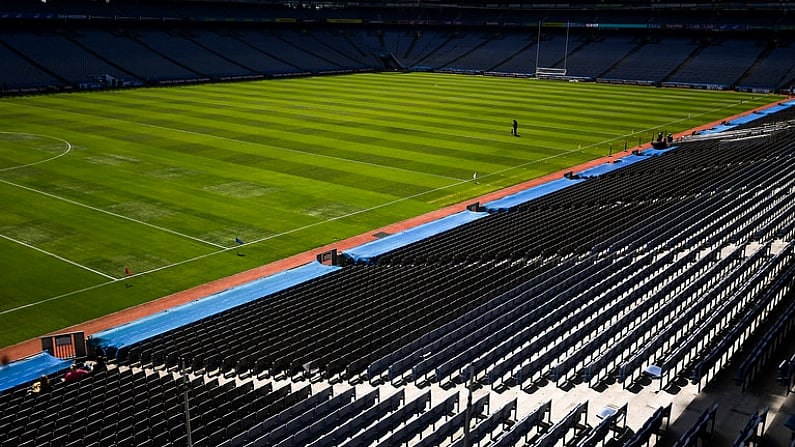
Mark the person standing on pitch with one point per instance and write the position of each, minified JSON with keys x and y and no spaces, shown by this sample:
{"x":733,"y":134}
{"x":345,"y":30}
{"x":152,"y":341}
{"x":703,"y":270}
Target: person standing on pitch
{"x":514,"y":129}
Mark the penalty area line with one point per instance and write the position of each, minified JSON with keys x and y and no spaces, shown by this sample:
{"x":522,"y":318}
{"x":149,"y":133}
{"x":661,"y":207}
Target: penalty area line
{"x":65,"y":295}
{"x":58,"y":257}
{"x":110,"y":213}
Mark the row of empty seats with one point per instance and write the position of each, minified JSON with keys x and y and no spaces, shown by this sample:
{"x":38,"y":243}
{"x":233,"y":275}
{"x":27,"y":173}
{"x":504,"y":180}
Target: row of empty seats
{"x":680,"y":286}
{"x":126,"y":407}
{"x":96,"y":57}
{"x":331,"y":325}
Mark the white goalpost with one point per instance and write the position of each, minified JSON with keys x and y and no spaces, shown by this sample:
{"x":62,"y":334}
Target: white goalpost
{"x":551,"y":72}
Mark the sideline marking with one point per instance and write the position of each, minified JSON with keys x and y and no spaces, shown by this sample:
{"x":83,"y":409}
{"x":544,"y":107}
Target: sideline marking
{"x":60,"y":258}
{"x":226,"y":249}
{"x":459,"y":181}
{"x":68,"y":149}
{"x":617,"y":138}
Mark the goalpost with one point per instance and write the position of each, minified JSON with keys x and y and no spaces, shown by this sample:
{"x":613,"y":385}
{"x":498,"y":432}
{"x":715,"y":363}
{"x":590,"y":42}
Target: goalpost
{"x":551,"y":72}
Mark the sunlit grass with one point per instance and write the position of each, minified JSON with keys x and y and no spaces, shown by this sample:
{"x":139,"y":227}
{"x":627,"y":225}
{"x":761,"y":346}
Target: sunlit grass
{"x":162,"y":181}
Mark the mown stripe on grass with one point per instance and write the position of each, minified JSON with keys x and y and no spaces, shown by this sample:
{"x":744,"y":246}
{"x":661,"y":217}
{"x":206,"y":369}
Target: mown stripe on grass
{"x":247,"y":159}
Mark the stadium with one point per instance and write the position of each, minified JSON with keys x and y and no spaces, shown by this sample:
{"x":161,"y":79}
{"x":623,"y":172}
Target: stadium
{"x":264,"y":223}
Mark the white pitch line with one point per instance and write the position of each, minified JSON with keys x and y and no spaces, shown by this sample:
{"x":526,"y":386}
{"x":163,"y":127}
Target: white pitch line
{"x":295,"y":151}
{"x":618,"y":137}
{"x":68,"y":149}
{"x":67,"y":294}
{"x":110,"y":213}
{"x":305,"y":227}
{"x":60,"y":258}
{"x":225,"y":249}
{"x":383,"y":205}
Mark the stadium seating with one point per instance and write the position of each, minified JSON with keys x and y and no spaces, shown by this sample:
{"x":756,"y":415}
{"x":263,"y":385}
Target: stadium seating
{"x":774,"y":69}
{"x":400,"y":361}
{"x":768,"y":289}
{"x":486,"y":427}
{"x":654,"y":291}
{"x":769,"y":342}
{"x":652,"y":427}
{"x":142,"y":406}
{"x":719,"y":319}
{"x":61,"y":57}
{"x":701,"y":430}
{"x":592,"y":57}
{"x":664,"y":340}
{"x":536,"y":422}
{"x":648,"y":63}
{"x":389,"y":423}
{"x":21,"y":74}
{"x":500,"y":52}
{"x":614,"y":419}
{"x":573,"y":422}
{"x":785,"y":375}
{"x":754,"y":429}
{"x":275,"y":425}
{"x":319,"y":426}
{"x":733,"y":56}
{"x":122,"y":50}
{"x":454,"y":424}
{"x":344,"y":431}
{"x":415,"y":426}
{"x":119,"y":45}
{"x":665,"y":266}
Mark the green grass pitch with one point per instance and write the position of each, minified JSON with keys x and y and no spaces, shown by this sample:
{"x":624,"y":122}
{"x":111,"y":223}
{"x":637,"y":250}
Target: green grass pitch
{"x":163,"y":180}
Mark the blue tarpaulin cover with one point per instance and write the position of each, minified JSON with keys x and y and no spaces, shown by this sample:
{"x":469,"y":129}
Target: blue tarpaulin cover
{"x":596,"y":171}
{"x":187,"y":313}
{"x":652,"y":151}
{"x":777,"y":108}
{"x":30,"y":369}
{"x":746,"y":118}
{"x":717,"y":129}
{"x":521,"y":197}
{"x":619,"y":163}
{"x":366,"y":252}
